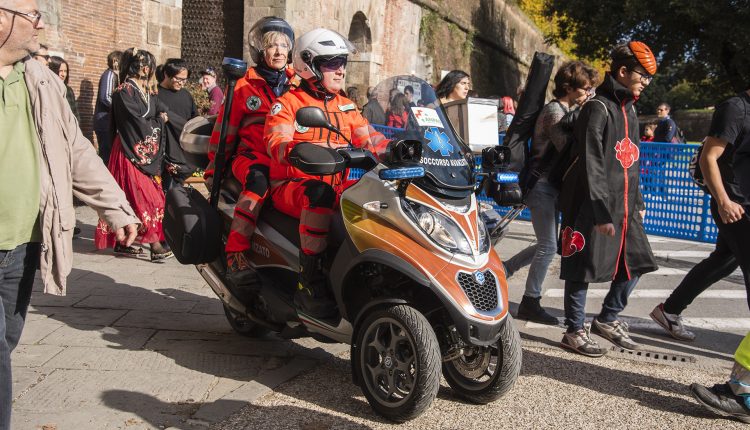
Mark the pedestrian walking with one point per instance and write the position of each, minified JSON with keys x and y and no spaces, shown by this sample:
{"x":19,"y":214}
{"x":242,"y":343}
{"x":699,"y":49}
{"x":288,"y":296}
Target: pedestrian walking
{"x":137,"y":154}
{"x":602,"y":235}
{"x":666,"y":129}
{"x":372,"y":110}
{"x":181,"y":108}
{"x":44,"y":162}
{"x":397,"y":116}
{"x":208,"y":82}
{"x":732,"y":398}
{"x":454,"y":86}
{"x":574,"y":84}
{"x":60,"y":67}
{"x":103,"y":108}
{"x":730,"y":208}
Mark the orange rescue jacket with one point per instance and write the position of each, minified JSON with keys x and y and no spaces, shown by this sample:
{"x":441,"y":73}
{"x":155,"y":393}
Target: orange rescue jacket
{"x":282,"y":131}
{"x":252,"y":101}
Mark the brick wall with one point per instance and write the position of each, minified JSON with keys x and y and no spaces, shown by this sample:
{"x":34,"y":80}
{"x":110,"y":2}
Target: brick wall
{"x":85,"y":31}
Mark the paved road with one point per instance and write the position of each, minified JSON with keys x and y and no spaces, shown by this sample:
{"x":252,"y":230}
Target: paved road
{"x":140,"y":345}
{"x":556,"y":389}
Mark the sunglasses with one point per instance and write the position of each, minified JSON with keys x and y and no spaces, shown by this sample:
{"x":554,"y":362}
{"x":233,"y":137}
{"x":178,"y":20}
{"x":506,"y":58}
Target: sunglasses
{"x":334,"y":63}
{"x":33,"y":17}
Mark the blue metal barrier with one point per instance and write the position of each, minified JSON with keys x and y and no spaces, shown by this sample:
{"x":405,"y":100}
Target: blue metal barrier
{"x":675,"y":206}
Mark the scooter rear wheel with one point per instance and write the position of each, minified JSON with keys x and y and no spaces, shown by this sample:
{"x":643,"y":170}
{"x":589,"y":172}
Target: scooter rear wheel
{"x":484,"y":374}
{"x":242,"y":325}
{"x":398,"y":362}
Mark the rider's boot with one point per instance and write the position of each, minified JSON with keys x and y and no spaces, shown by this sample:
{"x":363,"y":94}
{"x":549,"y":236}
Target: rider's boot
{"x":313,"y":296}
{"x":240,"y":274}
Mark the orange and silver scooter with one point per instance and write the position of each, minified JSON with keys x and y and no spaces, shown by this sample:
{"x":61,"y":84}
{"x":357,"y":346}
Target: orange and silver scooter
{"x":420,"y":290}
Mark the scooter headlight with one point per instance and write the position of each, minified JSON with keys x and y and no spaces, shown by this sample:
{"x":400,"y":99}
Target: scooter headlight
{"x":441,"y":229}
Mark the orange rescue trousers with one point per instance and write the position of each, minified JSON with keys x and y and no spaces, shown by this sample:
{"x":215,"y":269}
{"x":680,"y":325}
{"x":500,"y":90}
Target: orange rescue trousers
{"x":251,"y":169}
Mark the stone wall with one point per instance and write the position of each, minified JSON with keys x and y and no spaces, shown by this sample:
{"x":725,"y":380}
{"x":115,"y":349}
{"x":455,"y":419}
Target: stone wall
{"x":85,"y":31}
{"x":491,"y":39}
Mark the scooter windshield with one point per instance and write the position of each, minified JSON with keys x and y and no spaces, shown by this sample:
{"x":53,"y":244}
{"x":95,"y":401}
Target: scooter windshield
{"x":413,"y":111}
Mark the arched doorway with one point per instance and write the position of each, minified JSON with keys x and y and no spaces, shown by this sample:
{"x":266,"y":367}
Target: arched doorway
{"x":359,"y":69}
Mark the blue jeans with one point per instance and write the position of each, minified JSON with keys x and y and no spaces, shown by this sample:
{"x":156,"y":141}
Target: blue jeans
{"x":541,"y":203}
{"x":17,"y":268}
{"x":614,"y":302}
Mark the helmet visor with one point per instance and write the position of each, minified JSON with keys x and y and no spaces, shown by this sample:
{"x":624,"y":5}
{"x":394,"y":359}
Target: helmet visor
{"x":333,"y":63}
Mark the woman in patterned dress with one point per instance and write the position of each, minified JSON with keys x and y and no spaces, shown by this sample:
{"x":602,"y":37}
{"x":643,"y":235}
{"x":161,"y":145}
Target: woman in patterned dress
{"x":137,"y":153}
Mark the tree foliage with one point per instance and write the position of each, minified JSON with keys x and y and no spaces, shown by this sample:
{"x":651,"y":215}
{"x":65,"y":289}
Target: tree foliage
{"x":703,"y":46}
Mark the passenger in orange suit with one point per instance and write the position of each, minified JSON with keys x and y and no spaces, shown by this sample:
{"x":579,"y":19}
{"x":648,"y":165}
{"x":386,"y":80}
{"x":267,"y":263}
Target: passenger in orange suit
{"x":271,"y":42}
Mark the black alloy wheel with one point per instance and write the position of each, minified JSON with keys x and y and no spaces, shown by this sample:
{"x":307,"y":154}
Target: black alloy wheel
{"x":399,"y":362}
{"x":484,"y":374}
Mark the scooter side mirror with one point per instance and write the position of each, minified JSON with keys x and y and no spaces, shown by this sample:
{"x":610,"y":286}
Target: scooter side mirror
{"x":312,"y":116}
{"x":316,"y":160}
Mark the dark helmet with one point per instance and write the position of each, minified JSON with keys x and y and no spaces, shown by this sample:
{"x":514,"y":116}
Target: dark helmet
{"x":263,"y":26}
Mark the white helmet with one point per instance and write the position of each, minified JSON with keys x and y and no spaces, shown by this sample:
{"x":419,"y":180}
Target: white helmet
{"x":315,"y":47}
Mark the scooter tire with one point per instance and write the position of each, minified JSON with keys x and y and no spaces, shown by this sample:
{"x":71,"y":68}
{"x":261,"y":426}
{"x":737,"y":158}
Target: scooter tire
{"x":413,"y":333}
{"x":242,"y":325}
{"x":507,"y":369}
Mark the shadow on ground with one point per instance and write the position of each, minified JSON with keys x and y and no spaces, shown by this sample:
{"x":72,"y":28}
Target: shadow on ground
{"x":161,"y":414}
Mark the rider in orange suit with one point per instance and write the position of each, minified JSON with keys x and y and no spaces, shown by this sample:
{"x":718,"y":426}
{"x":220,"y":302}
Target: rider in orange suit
{"x":320,"y":60}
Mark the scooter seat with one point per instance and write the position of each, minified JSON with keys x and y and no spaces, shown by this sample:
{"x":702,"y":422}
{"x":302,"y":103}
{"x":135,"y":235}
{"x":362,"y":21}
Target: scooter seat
{"x":286,"y":225}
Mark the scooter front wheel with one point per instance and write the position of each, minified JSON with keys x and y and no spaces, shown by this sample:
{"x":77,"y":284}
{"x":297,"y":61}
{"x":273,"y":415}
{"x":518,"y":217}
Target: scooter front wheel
{"x":398,"y":361}
{"x":242,"y":324}
{"x":484,"y":374}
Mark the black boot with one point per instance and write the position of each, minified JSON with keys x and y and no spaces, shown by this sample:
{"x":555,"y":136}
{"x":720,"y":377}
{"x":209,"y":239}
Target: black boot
{"x":312,"y":296}
{"x":242,"y":277}
{"x":531,"y":310}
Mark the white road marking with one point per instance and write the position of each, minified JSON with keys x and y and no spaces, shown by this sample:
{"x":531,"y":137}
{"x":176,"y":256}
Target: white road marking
{"x":600,"y":293}
{"x":719,"y":324}
{"x":668,"y":271}
{"x":680,"y":254}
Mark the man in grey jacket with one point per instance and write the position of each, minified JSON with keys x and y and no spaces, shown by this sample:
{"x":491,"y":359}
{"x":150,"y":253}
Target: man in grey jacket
{"x":44,"y":161}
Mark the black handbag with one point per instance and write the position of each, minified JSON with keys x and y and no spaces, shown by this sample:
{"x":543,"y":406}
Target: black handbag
{"x":191,"y":226}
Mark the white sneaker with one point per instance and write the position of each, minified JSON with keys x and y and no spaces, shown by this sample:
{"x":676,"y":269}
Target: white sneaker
{"x":671,"y":323}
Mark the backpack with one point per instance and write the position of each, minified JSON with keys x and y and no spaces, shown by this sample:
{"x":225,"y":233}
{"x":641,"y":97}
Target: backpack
{"x":695,"y":170}
{"x":679,"y":136}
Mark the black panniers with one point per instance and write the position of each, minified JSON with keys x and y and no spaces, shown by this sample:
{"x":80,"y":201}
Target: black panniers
{"x":191,"y":226}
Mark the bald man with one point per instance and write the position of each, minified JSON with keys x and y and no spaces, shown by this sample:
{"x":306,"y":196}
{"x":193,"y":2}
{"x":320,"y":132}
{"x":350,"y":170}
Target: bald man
{"x":44,"y":161}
